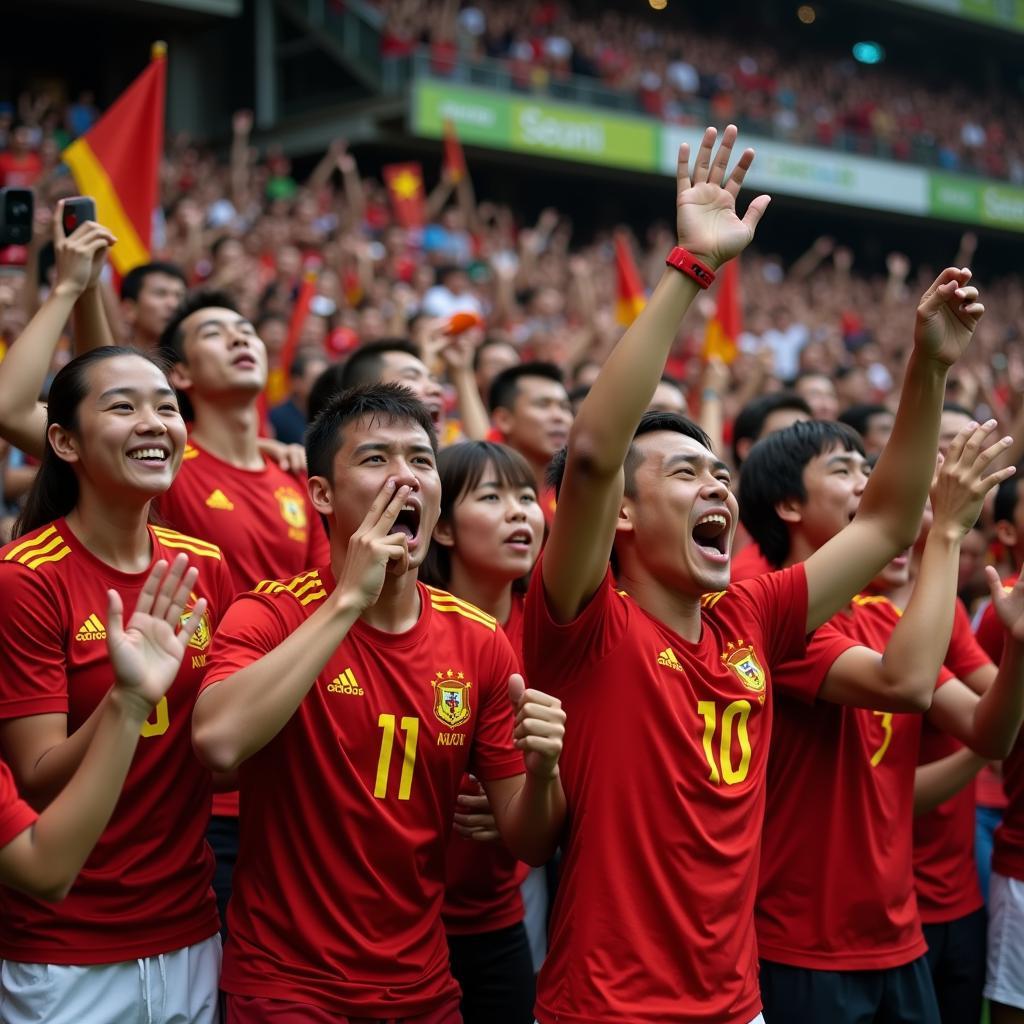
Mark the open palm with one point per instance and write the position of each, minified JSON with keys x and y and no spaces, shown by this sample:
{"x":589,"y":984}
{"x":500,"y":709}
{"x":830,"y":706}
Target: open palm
{"x":1009,"y":605}
{"x":706,"y":220}
{"x":147,"y":654}
{"x":947,"y":316}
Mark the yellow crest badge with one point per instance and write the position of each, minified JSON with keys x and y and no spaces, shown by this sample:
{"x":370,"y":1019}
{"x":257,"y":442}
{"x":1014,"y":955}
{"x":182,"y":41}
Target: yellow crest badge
{"x":451,"y":698}
{"x":200,"y":639}
{"x":745,"y":666}
{"x":293,"y":511}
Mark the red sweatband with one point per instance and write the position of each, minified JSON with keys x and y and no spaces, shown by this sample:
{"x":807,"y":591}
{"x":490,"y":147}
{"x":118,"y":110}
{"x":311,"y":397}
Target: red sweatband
{"x":688,"y":264}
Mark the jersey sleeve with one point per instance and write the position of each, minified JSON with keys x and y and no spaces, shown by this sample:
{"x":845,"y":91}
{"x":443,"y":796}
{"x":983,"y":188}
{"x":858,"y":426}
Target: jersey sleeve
{"x":553,"y":652}
{"x":965,"y":655}
{"x":990,"y":634}
{"x":253,"y":626}
{"x":493,"y":755}
{"x":803,"y":677}
{"x":778,"y":603}
{"x":15,"y":814}
{"x":33,"y":664}
{"x":220,"y":589}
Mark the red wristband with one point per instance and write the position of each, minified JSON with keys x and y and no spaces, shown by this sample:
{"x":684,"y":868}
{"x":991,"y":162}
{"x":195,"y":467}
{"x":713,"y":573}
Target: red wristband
{"x":688,"y":264}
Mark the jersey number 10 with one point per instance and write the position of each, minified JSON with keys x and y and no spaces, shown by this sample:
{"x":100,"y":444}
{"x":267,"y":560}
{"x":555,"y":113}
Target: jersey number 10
{"x":735,"y":716}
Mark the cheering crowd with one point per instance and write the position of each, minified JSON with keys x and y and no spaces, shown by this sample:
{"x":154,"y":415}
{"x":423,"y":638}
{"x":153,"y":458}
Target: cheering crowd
{"x":356,"y":657}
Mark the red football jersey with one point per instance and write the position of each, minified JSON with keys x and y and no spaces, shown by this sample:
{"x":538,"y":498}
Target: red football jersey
{"x":145,"y":889}
{"x":990,"y":791}
{"x":482,"y":891}
{"x":748,"y":563}
{"x":262,"y":520}
{"x":346,"y":812}
{"x":836,"y":889}
{"x":15,"y":814}
{"x":945,"y":871}
{"x":663,"y":769}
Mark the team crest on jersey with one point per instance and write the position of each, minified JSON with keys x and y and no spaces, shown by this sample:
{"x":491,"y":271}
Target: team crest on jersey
{"x":293,"y":511}
{"x":744,"y":664}
{"x":451,"y":698}
{"x":200,"y":639}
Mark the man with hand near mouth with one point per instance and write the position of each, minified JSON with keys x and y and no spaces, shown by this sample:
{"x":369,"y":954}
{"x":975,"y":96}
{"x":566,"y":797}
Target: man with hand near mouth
{"x":352,"y":699}
{"x":666,"y":673}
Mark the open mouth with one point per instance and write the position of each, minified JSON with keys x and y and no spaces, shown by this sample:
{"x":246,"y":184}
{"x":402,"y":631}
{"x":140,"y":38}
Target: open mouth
{"x":408,"y":522}
{"x":150,"y":456}
{"x":520,"y":540}
{"x":711,"y":536}
{"x":247,"y":362}
{"x":436,"y":411}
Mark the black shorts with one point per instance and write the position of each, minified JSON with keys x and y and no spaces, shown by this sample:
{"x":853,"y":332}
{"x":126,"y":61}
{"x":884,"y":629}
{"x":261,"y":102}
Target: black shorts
{"x":495,"y":971}
{"x":799,"y":995}
{"x":956,"y":957}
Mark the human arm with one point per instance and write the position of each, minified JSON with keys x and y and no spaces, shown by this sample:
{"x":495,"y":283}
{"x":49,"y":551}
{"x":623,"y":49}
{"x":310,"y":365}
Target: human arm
{"x":23,"y":370}
{"x":576,"y":557}
{"x":989,"y":723}
{"x":529,"y":809}
{"x":935,"y":783}
{"x":902,"y":678}
{"x":241,"y":126}
{"x":457,"y":354}
{"x":887,"y":519}
{"x":45,"y":859}
{"x":237,"y":716}
{"x":711,"y":417}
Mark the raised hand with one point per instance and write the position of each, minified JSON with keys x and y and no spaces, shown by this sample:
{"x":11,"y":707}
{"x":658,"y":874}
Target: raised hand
{"x":80,"y":255}
{"x":540,"y":727}
{"x":706,"y":220}
{"x":147,"y":654}
{"x":961,"y":483}
{"x":1009,"y":604}
{"x":947,"y":315}
{"x":373,"y":550}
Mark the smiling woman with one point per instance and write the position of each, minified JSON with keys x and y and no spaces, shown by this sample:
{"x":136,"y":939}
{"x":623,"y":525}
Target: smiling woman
{"x":115,"y":440}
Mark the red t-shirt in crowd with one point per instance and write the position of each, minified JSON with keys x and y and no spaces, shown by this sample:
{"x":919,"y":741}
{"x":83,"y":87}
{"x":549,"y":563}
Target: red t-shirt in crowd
{"x":15,"y":814}
{"x":990,"y":791}
{"x":346,"y":812}
{"x":750,"y":562}
{"x":663,"y":768}
{"x":19,"y":170}
{"x":262,"y":519}
{"x":145,"y":889}
{"x":945,"y":871}
{"x":836,"y":890}
{"x":482,"y":892}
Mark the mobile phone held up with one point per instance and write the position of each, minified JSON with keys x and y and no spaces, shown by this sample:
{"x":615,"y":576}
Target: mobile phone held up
{"x":78,"y":210}
{"x":16,"y":208}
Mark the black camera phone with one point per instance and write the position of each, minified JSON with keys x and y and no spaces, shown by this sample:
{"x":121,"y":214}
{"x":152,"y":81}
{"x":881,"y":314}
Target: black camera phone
{"x":16,"y":208}
{"x":78,"y":210}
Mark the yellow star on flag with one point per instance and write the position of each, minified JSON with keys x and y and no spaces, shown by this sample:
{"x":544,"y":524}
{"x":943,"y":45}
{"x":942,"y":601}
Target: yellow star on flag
{"x":405,"y":184}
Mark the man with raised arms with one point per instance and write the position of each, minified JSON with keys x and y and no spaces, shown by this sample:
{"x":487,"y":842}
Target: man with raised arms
{"x":667,"y":681}
{"x":352,"y":699}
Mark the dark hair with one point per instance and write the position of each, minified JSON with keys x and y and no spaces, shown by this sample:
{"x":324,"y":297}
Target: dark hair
{"x":326,"y":386}
{"x":133,"y":281}
{"x":578,"y":393}
{"x":505,"y":386}
{"x":751,"y":418}
{"x":391,"y":403}
{"x":365,"y":364}
{"x":774,"y":472}
{"x":172,"y":341}
{"x":490,"y":343}
{"x":461,"y":468}
{"x":958,"y":408}
{"x":301,"y":361}
{"x":1005,"y":505}
{"x":650,"y":423}
{"x":859,"y":416}
{"x":219,"y":244}
{"x":54,"y":492}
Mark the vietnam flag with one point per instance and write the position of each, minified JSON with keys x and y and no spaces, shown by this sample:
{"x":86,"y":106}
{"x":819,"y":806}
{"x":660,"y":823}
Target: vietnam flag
{"x":117,"y":162}
{"x":630,"y":295}
{"x":454,"y":158}
{"x":723,"y":331}
{"x":405,"y":187}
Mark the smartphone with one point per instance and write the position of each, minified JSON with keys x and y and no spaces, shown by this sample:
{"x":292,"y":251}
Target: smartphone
{"x":16,"y":208}
{"x":78,"y":210}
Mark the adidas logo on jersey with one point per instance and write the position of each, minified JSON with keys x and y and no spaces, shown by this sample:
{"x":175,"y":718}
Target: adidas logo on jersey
{"x":218,"y":499}
{"x":668,"y":659}
{"x":345,"y":683}
{"x":91,"y":629}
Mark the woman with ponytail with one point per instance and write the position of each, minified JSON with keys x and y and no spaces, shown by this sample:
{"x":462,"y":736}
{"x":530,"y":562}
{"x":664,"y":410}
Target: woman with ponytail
{"x":136,"y":937}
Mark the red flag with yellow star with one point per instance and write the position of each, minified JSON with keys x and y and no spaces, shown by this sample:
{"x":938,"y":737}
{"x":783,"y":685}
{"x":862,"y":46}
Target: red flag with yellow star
{"x":405,"y":187}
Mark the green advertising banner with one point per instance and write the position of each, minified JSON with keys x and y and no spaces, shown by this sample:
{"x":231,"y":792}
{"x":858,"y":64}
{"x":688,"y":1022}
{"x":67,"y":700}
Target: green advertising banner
{"x":509,"y":121}
{"x":977,"y":202}
{"x":1002,"y":13}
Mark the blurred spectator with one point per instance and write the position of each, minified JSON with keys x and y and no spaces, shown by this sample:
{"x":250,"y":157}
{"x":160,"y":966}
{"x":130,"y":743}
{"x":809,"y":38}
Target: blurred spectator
{"x":289,"y":419}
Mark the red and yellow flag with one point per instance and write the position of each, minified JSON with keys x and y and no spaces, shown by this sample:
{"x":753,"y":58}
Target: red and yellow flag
{"x":454,"y":158}
{"x":117,"y":162}
{"x":721,"y":339}
{"x":629,"y":292}
{"x":405,"y":187}
{"x":277,"y":378}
